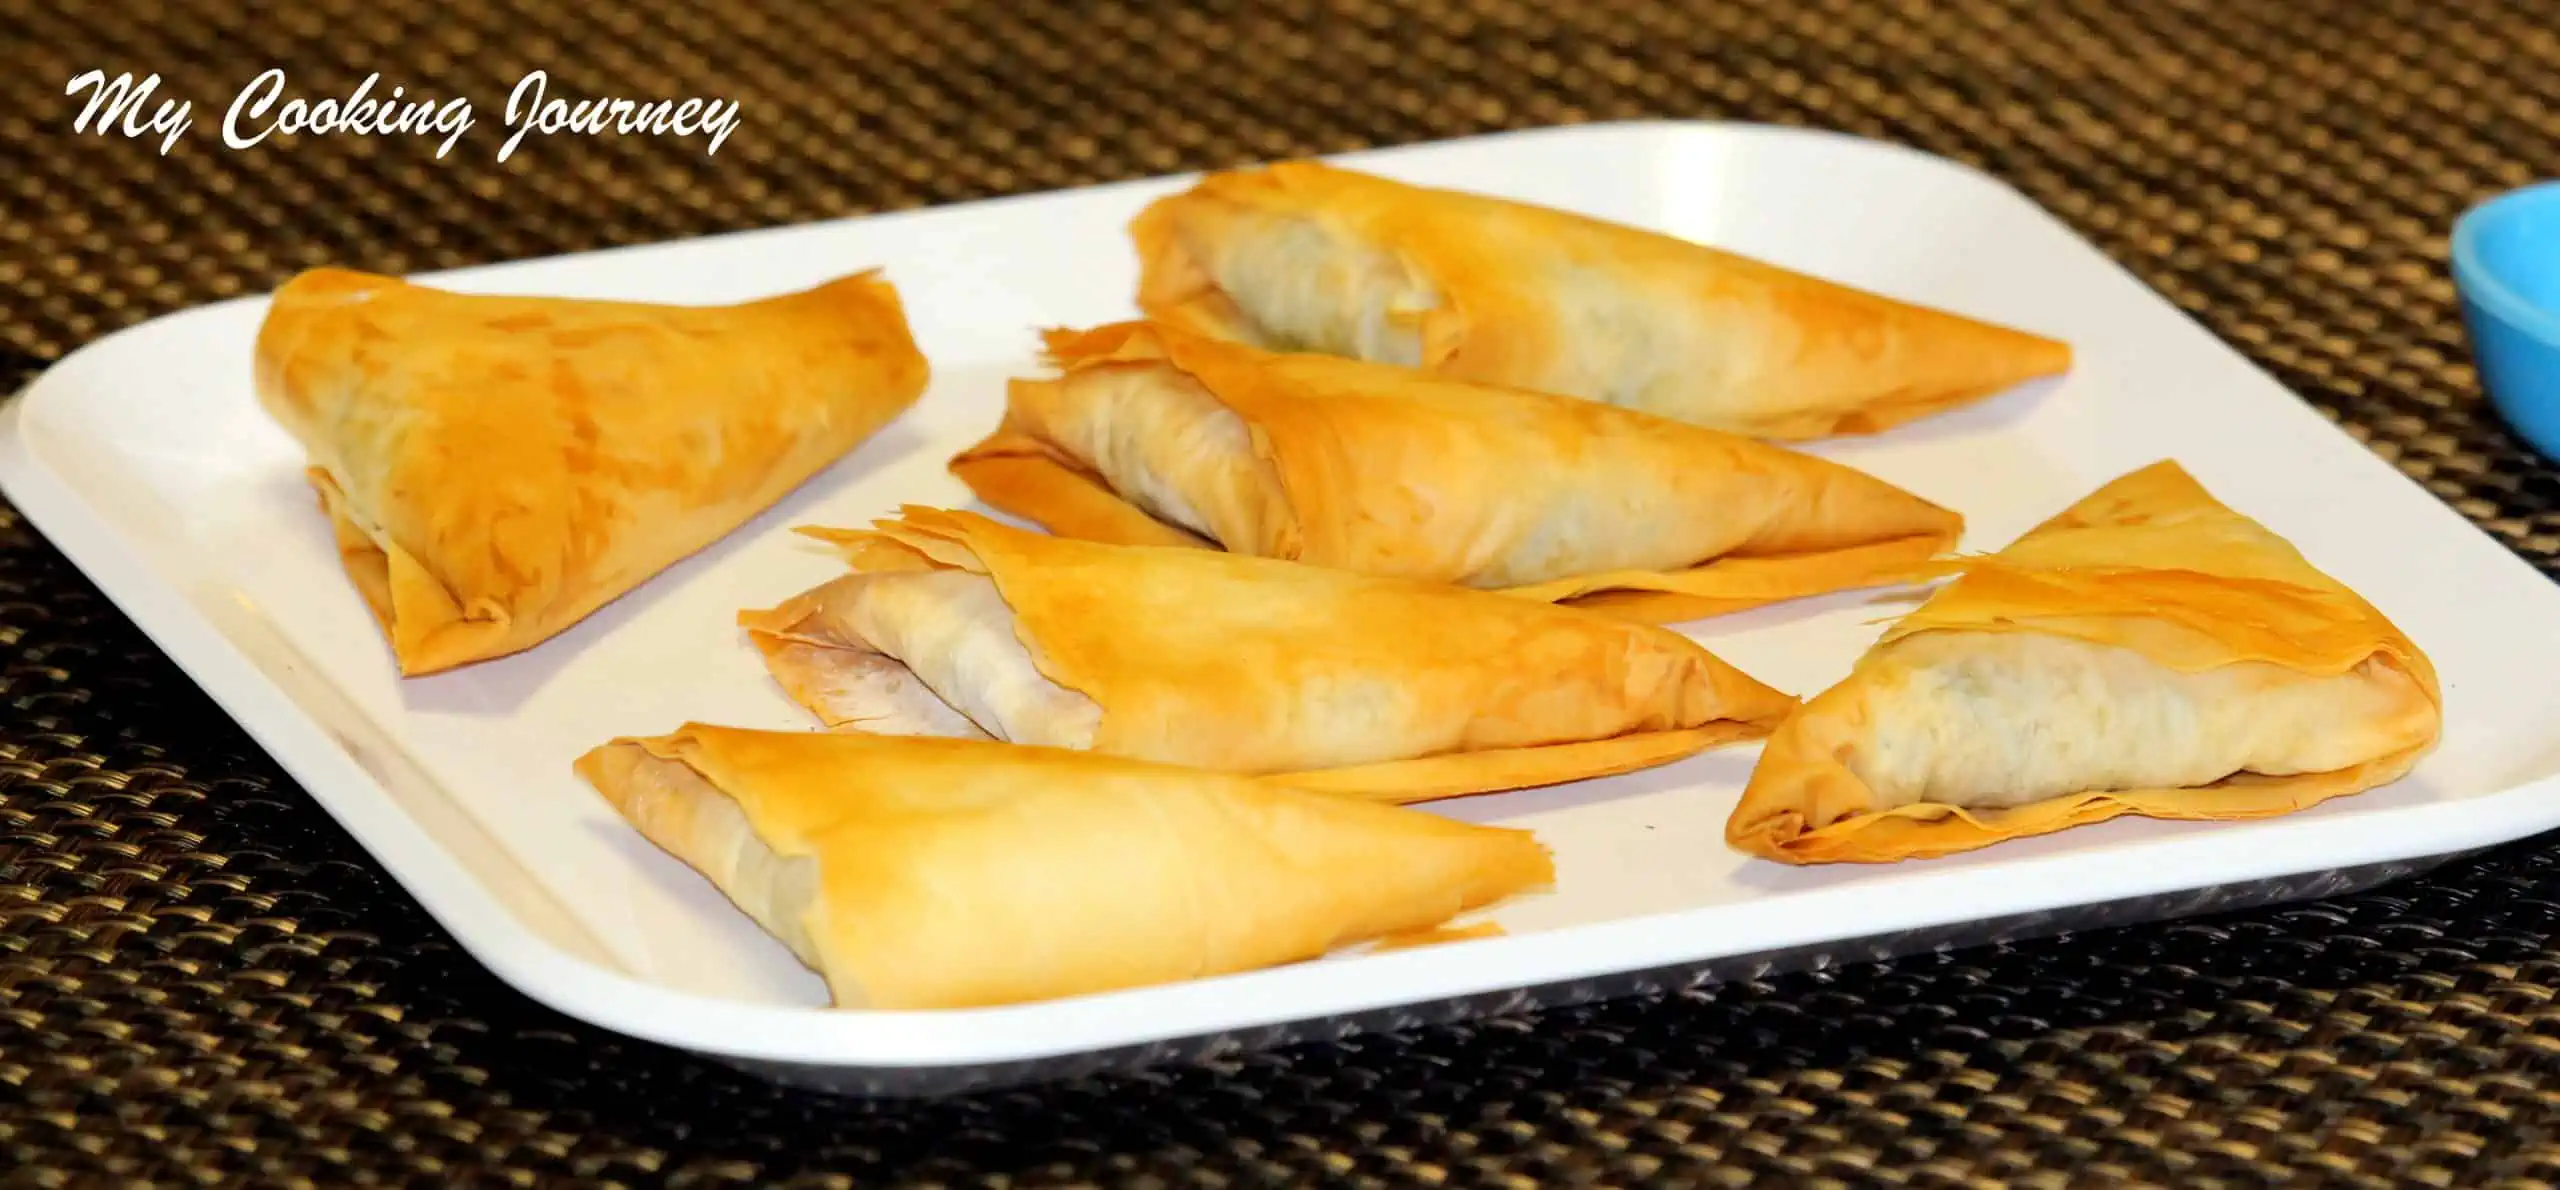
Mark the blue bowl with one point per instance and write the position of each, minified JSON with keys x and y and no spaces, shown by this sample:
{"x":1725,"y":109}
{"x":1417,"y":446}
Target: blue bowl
{"x":2506,"y":263}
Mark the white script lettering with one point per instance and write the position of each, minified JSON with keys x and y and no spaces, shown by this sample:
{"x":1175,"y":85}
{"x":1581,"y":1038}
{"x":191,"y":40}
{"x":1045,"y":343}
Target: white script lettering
{"x":528,"y":112}
{"x":361,"y":113}
{"x":122,"y":99}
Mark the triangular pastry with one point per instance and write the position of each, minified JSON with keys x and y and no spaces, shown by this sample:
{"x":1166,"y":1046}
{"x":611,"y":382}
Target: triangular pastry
{"x":1302,"y":256}
{"x":954,"y":624}
{"x":918,"y":873}
{"x":497,"y":468}
{"x":1153,"y":436}
{"x":2149,"y":651}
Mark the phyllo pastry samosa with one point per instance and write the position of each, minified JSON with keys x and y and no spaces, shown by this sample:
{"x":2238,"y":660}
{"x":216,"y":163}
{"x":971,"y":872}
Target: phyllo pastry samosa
{"x":918,"y":873}
{"x":954,"y":624}
{"x":1307,"y":257}
{"x":1150,"y":436}
{"x":497,"y":468}
{"x":2149,"y":651}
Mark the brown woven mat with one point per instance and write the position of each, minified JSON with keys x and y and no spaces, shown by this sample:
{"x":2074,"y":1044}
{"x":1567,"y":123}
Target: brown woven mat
{"x":201,"y":978}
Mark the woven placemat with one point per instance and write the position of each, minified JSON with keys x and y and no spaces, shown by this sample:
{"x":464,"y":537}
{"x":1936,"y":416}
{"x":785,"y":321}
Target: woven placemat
{"x":203,"y":979}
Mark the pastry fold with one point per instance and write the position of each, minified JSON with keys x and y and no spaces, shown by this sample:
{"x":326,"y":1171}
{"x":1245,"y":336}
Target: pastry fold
{"x":918,"y":873}
{"x":497,"y":468}
{"x":1152,"y":436}
{"x":1301,"y":256}
{"x":954,"y":624}
{"x":2149,"y":651}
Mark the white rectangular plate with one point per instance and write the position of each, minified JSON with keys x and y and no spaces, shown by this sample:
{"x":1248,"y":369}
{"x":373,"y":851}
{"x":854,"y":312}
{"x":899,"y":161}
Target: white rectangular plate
{"x":145,"y":458}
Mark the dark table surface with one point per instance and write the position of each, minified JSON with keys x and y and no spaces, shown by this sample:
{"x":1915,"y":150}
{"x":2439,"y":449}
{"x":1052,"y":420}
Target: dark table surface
{"x":202,"y":978}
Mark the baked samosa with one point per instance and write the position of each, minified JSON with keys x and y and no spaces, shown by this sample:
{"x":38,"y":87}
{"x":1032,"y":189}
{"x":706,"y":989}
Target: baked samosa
{"x":1383,"y":688}
{"x":919,"y":873}
{"x":1151,"y":436}
{"x":1302,"y":256}
{"x":497,"y":468}
{"x":2148,"y":651}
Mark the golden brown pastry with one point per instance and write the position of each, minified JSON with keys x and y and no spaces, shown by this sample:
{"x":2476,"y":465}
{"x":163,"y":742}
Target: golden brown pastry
{"x":2149,"y":651}
{"x":499,"y":467}
{"x":918,"y":873}
{"x":1383,"y":688}
{"x":1302,"y":256}
{"x":1150,"y":436}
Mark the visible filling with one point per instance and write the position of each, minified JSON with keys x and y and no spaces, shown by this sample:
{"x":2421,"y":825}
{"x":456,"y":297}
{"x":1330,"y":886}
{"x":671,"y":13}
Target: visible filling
{"x":1624,"y":346}
{"x":851,"y":687}
{"x":2002,"y":719}
{"x":1307,"y":289}
{"x":1164,"y":444}
{"x":954,"y":632}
